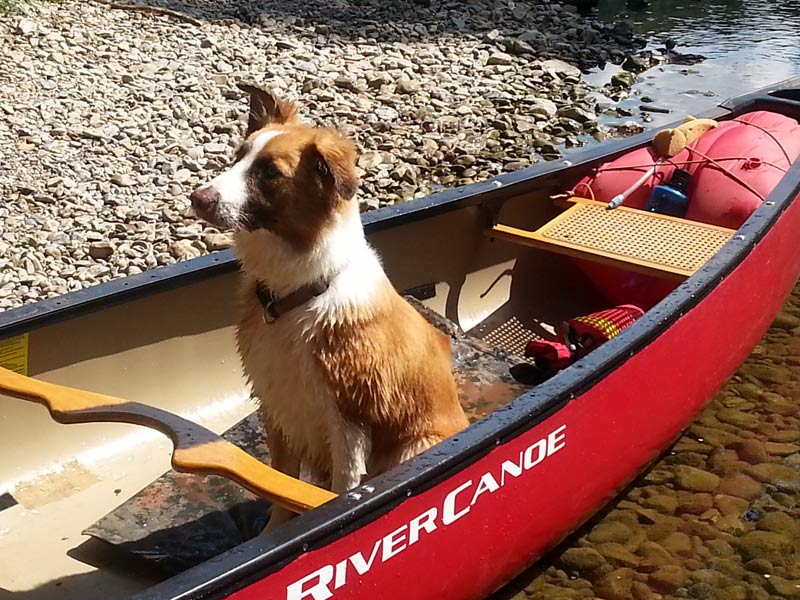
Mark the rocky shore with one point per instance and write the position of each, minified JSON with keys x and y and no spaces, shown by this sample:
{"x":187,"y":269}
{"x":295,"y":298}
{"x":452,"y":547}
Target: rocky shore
{"x":110,"y":117}
{"x":718,"y":517}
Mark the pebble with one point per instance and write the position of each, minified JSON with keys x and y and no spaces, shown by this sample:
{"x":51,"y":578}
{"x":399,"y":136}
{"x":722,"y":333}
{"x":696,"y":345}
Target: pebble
{"x":123,"y":180}
{"x":217,"y":241}
{"x":101,"y":250}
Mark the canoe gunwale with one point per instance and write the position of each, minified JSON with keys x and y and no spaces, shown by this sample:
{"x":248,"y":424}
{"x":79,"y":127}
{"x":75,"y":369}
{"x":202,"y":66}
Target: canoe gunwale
{"x":255,"y":559}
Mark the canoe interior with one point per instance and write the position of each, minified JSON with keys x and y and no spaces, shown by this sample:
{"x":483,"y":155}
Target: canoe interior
{"x":176,"y":350}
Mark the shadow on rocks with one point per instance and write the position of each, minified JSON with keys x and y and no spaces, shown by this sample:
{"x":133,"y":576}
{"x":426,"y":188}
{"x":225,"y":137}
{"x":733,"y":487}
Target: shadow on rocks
{"x":541,"y":30}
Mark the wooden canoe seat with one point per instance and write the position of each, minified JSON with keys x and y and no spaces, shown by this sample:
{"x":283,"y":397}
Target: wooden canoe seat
{"x":635,"y":240}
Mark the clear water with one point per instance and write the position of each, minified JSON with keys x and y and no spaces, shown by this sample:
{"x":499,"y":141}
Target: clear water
{"x":747,"y":45}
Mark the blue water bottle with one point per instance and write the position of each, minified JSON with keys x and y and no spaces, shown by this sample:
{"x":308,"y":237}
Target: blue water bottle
{"x":670,"y":198}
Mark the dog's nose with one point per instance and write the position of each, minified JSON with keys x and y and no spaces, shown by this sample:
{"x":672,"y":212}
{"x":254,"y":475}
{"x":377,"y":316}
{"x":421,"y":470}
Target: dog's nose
{"x":204,"y":199}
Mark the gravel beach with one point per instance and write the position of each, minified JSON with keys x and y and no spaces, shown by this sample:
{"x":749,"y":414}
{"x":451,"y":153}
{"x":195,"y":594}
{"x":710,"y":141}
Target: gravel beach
{"x":110,"y":117}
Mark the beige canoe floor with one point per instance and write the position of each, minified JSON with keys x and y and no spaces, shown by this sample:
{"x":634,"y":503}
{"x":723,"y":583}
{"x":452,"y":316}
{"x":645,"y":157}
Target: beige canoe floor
{"x":40,"y":560}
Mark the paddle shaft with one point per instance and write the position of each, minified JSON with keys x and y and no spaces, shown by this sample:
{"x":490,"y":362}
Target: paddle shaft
{"x":197,"y":449}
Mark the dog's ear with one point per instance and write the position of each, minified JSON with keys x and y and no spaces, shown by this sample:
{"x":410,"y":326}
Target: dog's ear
{"x":334,"y":163}
{"x":266,"y":108}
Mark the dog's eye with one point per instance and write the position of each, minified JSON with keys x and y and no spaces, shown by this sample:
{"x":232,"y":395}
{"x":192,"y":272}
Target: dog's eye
{"x":265,"y":169}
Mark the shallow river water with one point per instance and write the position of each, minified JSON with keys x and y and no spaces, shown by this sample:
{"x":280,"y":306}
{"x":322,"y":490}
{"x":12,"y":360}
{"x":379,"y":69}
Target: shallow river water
{"x":746,"y":45}
{"x":718,"y":517}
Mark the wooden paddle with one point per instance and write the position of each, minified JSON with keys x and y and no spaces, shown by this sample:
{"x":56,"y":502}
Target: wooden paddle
{"x":196,"y":449}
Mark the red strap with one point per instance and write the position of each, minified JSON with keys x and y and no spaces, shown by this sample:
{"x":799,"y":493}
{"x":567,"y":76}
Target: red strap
{"x":590,"y":331}
{"x":548,"y":355}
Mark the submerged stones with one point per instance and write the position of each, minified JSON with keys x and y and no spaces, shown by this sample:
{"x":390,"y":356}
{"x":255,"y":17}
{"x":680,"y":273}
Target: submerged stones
{"x":718,"y":517}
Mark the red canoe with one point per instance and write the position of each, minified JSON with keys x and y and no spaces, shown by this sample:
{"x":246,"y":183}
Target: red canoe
{"x":500,"y":263}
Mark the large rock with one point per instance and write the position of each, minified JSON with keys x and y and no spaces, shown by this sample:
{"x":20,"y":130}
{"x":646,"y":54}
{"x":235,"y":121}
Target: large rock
{"x":559,"y":68}
{"x":774,"y":547}
{"x":582,"y":559}
{"x":542,"y":106}
{"x":695,"y":480}
{"x":610,"y":531}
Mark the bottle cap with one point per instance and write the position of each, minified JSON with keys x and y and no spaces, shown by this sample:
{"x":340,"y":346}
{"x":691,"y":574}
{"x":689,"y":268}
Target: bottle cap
{"x":680,"y":180}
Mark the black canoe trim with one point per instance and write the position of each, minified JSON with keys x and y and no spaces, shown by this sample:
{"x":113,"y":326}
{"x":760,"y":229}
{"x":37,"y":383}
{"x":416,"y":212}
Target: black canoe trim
{"x":260,"y":557}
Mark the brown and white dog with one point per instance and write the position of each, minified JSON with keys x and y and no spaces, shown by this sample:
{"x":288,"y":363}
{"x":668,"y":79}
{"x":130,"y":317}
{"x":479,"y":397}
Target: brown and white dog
{"x":352,"y":379}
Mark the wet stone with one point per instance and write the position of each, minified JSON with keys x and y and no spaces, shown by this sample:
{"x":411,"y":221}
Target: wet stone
{"x":775,"y":473}
{"x":610,"y":531}
{"x":693,"y":479}
{"x":783,"y":587}
{"x":582,"y":559}
{"x":738,"y":418}
{"x":760,"y":565}
{"x":766,"y":373}
{"x":780,"y":522}
{"x":616,"y":585}
{"x":731,"y":504}
{"x":618,"y":554}
{"x":694,"y":504}
{"x":668,"y":578}
{"x":663,"y":503}
{"x":655,"y":554}
{"x":781,"y":449}
{"x":787,"y":321}
{"x":767,"y":545}
{"x":752,"y":451}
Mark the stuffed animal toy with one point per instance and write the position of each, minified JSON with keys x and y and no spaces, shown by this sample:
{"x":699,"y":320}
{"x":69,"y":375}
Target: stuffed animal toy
{"x":669,"y":142}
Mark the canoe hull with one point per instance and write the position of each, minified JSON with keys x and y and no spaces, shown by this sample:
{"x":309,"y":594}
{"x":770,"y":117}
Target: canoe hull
{"x":470,"y":533}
